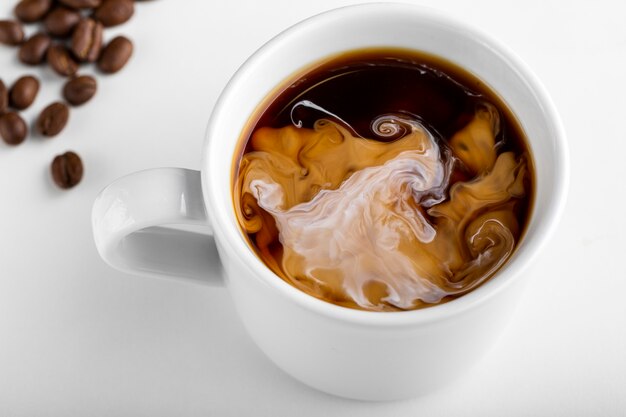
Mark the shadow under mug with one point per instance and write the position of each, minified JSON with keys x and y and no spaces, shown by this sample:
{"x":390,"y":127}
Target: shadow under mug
{"x":350,"y":353}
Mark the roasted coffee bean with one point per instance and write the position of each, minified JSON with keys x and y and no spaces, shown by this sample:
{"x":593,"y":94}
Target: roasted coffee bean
{"x":114,"y":12}
{"x":32,"y":10}
{"x":66,"y":170}
{"x":61,"y":61}
{"x":61,"y":21}
{"x":80,"y":90}
{"x":81,"y":4}
{"x":33,"y":51}
{"x":53,"y":119}
{"x":115,"y":55}
{"x":24,"y":92}
{"x":13,"y":128}
{"x":87,"y":40}
{"x":4,"y":98}
{"x":11,"y":32}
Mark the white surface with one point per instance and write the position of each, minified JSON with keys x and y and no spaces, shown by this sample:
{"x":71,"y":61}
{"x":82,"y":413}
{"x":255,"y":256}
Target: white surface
{"x":78,"y":338}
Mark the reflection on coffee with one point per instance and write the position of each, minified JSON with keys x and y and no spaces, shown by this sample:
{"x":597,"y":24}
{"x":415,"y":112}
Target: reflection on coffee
{"x":384,"y":180}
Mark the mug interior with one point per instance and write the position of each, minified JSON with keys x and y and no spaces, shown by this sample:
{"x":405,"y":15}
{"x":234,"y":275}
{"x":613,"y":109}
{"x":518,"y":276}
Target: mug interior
{"x":386,"y":25}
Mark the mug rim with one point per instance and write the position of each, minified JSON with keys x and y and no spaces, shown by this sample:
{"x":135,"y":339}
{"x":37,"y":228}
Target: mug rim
{"x":227,"y":234}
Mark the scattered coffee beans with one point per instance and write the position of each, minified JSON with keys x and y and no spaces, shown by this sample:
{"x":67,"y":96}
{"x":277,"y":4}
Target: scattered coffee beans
{"x":32,"y":10}
{"x":114,"y":12}
{"x":4,"y":98}
{"x":61,"y":21}
{"x":53,"y":119}
{"x":61,"y":61}
{"x":23,"y":92}
{"x":33,"y":51}
{"x":115,"y":55}
{"x":11,"y":32}
{"x":80,"y":90}
{"x":13,"y":128}
{"x":87,"y":40}
{"x":83,"y":22}
{"x":66,"y":170}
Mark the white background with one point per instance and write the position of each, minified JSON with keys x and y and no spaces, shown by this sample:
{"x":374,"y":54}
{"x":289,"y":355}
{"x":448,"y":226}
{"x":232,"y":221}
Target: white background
{"x":80,"y":339}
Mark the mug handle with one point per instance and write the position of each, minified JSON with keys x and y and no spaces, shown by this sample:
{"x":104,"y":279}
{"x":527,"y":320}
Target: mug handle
{"x":130,"y":220}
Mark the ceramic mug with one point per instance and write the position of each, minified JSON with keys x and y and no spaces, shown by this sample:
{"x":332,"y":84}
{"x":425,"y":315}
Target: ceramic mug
{"x":346,"y":352}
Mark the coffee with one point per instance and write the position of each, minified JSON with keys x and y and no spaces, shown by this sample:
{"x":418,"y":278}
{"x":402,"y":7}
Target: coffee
{"x":11,"y":32}
{"x":87,"y":40}
{"x":115,"y":55}
{"x":33,"y":51}
{"x":23,"y":92}
{"x":114,"y":12}
{"x":383,"y":180}
{"x":52,"y":119}
{"x":30,"y":11}
{"x":66,"y":170}
{"x":13,"y":129}
{"x":61,"y":61}
{"x":80,"y":90}
{"x":61,"y":21}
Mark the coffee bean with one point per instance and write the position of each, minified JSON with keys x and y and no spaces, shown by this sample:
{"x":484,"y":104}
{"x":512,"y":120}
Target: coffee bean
{"x":114,"y":12}
{"x":66,"y":170}
{"x":61,"y":21}
{"x":24,"y":92}
{"x":33,"y":51}
{"x":29,"y":11}
{"x":11,"y":32}
{"x":61,"y":61}
{"x":115,"y":55}
{"x":81,"y":4}
{"x":13,"y":128}
{"x":53,"y":119}
{"x":4,"y":98}
{"x":80,"y":90}
{"x":87,"y":40}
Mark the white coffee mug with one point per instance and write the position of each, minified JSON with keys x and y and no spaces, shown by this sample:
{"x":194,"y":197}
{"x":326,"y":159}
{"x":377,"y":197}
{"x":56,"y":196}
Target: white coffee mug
{"x":346,"y":352}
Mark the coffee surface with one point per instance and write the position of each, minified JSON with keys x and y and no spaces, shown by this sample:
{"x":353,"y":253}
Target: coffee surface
{"x":383,"y":180}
